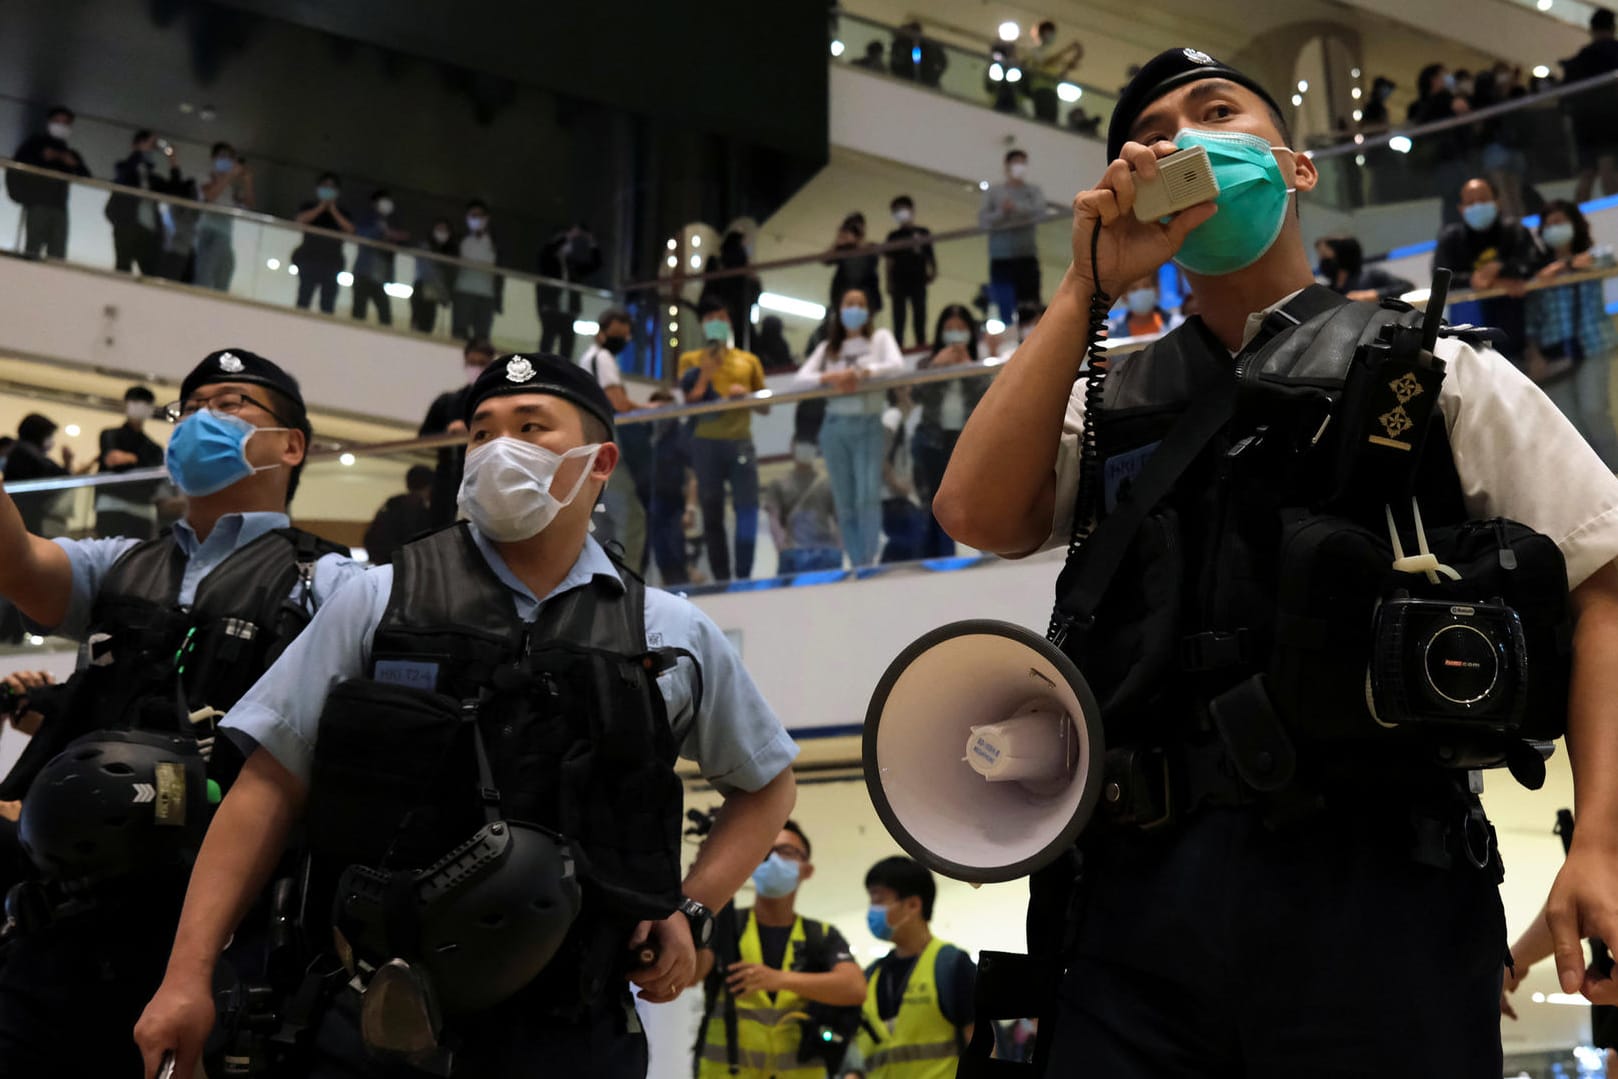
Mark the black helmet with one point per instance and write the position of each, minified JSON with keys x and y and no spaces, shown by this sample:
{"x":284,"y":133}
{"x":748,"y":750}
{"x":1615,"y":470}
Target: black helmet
{"x":487,"y":917}
{"x":113,"y":802}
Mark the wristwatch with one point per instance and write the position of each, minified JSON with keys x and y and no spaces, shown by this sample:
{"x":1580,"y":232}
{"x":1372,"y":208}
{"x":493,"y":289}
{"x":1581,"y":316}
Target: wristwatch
{"x":701,"y":919}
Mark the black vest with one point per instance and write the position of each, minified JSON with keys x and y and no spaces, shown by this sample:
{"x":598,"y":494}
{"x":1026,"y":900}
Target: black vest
{"x":1192,"y":610}
{"x":572,"y":720}
{"x":151,"y":662}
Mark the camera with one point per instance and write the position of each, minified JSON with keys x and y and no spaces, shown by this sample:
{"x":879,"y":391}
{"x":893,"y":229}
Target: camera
{"x":1445,"y":662}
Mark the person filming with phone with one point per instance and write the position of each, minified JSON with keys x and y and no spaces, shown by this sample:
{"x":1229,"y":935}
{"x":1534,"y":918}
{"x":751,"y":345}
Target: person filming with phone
{"x":1269,"y":513}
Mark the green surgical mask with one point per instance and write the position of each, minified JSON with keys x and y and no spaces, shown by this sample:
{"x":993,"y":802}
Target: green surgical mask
{"x":1252,"y":203}
{"x":716,"y":330}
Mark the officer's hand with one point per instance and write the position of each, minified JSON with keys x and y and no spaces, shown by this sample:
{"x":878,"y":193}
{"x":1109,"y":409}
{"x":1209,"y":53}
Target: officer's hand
{"x":1129,"y":248}
{"x":746,"y":977}
{"x":1508,"y":986}
{"x":11,"y":811}
{"x":1584,"y":903}
{"x":676,"y":966}
{"x":176,"y":1020}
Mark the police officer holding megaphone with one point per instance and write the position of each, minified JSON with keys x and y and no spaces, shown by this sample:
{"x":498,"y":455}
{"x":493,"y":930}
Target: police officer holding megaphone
{"x":117,"y":783}
{"x":1318,"y":580}
{"x":480,"y":741}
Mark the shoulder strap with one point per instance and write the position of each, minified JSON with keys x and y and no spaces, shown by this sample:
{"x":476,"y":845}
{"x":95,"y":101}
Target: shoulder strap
{"x":944,"y":967}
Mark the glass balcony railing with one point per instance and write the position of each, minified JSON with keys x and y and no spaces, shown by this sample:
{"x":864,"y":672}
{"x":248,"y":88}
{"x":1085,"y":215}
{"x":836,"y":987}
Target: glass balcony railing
{"x":186,"y":240}
{"x":1531,"y":148}
{"x":998,"y":76}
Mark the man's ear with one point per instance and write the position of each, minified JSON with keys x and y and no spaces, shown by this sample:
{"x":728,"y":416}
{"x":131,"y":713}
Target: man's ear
{"x":605,"y":461}
{"x":806,"y":872}
{"x":1304,"y":174}
{"x":297,"y":448}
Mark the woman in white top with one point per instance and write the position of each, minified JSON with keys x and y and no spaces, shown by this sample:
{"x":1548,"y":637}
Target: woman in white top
{"x":852,"y":439}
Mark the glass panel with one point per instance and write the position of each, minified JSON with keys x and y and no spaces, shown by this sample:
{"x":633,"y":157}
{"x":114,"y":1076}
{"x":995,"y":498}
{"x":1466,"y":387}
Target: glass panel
{"x":210,"y":243}
{"x":996,"y":77}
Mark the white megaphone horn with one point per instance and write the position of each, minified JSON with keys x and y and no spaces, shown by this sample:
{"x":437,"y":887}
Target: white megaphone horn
{"x":983,"y":751}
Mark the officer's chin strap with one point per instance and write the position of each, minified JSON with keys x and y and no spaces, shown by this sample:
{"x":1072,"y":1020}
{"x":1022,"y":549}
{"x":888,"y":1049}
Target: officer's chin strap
{"x":1425,"y":562}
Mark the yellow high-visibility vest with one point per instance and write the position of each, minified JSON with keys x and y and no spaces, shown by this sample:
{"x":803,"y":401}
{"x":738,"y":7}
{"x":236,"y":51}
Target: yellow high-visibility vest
{"x":918,"y":1042}
{"x":767,"y":1031}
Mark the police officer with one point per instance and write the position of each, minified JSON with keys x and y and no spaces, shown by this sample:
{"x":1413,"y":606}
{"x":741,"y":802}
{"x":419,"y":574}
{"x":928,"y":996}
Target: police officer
{"x":582,"y":683}
{"x":1185,"y":960}
{"x":774,"y":968}
{"x":175,"y":629}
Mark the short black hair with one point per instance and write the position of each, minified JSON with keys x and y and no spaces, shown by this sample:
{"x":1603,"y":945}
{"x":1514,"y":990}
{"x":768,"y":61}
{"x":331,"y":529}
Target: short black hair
{"x":141,"y":136}
{"x":332,"y":176}
{"x":419,"y":477}
{"x":140,"y":393}
{"x":223,"y":146}
{"x":613,"y":314}
{"x":292,"y":414}
{"x":905,"y":877}
{"x":61,"y":110}
{"x":36,"y":428}
{"x":1602,"y":20}
{"x":1046,"y":27}
{"x":1347,"y":251}
{"x":381,"y":193}
{"x":709,"y":305}
{"x":792,"y":826}
{"x":477,"y":204}
{"x":477,"y":344}
{"x":1016,"y":155}
{"x":901,"y":200}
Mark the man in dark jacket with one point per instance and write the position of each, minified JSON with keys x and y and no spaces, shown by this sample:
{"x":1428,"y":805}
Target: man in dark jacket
{"x":402,"y":518}
{"x":1487,"y":250}
{"x":1342,"y":266}
{"x":570,"y":255}
{"x":128,"y":509}
{"x":137,"y":227}
{"x":444,"y":417}
{"x":43,"y":200}
{"x":29,"y":459}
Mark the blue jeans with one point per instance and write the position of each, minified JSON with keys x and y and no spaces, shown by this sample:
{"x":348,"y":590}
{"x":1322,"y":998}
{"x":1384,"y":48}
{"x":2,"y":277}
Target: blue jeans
{"x":805,"y":559}
{"x":666,"y":525}
{"x":852,"y":447}
{"x":216,"y":260}
{"x":718,"y":461}
{"x":1582,"y":397}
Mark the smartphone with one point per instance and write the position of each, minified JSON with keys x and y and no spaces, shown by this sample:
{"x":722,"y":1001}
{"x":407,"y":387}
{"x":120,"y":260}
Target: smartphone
{"x":1184,"y":179}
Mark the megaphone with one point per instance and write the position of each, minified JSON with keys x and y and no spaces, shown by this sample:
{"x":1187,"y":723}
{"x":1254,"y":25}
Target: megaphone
{"x":983,"y":751}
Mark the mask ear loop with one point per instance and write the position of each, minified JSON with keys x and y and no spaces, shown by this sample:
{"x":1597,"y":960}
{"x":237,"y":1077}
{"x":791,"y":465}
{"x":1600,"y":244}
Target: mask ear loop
{"x":584,"y":474}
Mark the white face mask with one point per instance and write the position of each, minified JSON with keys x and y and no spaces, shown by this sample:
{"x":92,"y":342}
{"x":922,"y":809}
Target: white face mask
{"x":476,"y":223}
{"x":139,"y":411}
{"x":441,"y":235}
{"x":60,"y":131}
{"x":384,"y":206}
{"x":1018,"y":170}
{"x":506,"y":492}
{"x":903,"y":216}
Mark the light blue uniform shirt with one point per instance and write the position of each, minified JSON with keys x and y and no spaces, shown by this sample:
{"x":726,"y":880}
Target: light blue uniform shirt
{"x":733,"y":735}
{"x":91,"y":559}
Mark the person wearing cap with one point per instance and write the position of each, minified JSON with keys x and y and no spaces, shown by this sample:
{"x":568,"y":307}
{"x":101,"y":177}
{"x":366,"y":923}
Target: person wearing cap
{"x":175,"y":629}
{"x":1184,"y":958}
{"x":388,"y":653}
{"x":128,"y":508}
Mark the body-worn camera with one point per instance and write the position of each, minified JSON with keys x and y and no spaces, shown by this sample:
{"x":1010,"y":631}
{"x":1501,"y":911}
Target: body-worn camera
{"x":1439,"y":661}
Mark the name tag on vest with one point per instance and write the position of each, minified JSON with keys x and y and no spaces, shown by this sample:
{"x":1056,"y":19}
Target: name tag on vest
{"x":1120,"y":470}
{"x":409,"y":673}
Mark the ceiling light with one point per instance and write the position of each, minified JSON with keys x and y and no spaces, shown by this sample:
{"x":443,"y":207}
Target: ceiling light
{"x":398,"y":290}
{"x":673,"y":243}
{"x":345,"y":279}
{"x":1359,"y":159}
{"x":72,"y":430}
{"x":1008,"y":31}
{"x":696,"y":241}
{"x":292,"y":268}
{"x":836,"y":50}
{"x":1069,"y":92}
{"x":1354,"y":93}
{"x":673,"y":310}
{"x":674,"y":327}
{"x":994,"y":325}
{"x":1353,"y":72}
{"x":1014,"y":74}
{"x":35,"y":639}
{"x":272,"y":264}
{"x":1358,"y":116}
{"x":673,"y":262}
{"x":1542,"y":72}
{"x":585,"y":326}
{"x":996,"y":72}
{"x":696,"y":262}
{"x":347,"y":460}
{"x":1303,"y":86}
{"x":752,"y":314}
{"x":1359,"y":140}
{"x":788,"y":305}
{"x":1544,"y":5}
{"x":1297,"y":99}
{"x":1400,"y":144}
{"x":983,"y":185}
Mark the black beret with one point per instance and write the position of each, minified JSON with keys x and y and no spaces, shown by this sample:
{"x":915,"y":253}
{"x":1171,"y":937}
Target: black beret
{"x":541,"y":372}
{"x":240,"y":365}
{"x":1167,"y":71}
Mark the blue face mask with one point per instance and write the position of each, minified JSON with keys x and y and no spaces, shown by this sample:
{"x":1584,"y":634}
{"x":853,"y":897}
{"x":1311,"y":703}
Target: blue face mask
{"x":876,"y":920}
{"x":1480,"y":216}
{"x":776,"y":877}
{"x":224,"y":164}
{"x":716,"y":331}
{"x":957,"y":337}
{"x":325,"y":192}
{"x":208,"y":452}
{"x":854,"y":317}
{"x":1141,"y":301}
{"x":1252,"y":203}
{"x":1558,"y":236}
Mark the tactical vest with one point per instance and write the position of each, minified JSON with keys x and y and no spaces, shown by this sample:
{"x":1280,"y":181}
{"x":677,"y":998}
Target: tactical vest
{"x":572,"y":720}
{"x":1192,"y":611}
{"x":151,"y":663}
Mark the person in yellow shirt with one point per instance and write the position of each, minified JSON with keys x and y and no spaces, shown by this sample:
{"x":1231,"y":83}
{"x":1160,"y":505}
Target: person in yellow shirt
{"x":918,"y":1007}
{"x":722,"y":443}
{"x":782,"y":976}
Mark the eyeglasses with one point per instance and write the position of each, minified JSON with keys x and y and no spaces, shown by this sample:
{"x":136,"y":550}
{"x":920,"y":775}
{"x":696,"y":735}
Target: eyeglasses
{"x":230,"y":403}
{"x":790,"y":853}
